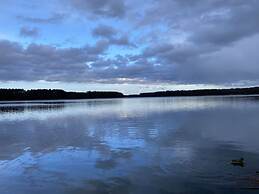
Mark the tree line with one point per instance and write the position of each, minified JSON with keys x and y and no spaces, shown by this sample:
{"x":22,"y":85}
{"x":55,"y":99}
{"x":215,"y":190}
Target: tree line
{"x":54,"y":94}
{"x":204,"y":92}
{"x":50,"y":94}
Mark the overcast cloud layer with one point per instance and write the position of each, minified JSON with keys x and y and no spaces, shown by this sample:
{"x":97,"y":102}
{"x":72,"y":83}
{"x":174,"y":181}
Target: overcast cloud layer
{"x":114,"y":41}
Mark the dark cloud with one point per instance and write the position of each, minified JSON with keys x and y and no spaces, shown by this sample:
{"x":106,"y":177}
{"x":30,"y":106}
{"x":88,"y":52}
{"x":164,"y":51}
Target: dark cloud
{"x":122,"y":41}
{"x":43,"y":62}
{"x":29,"y":32}
{"x":112,"y":35}
{"x":54,"y":19}
{"x":216,"y":22}
{"x":228,"y":25}
{"x":104,"y":31}
{"x":176,"y":41}
{"x":109,"y":8}
{"x":208,"y":29}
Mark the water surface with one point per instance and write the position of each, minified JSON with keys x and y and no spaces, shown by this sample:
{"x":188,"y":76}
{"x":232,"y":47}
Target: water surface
{"x":138,"y":145}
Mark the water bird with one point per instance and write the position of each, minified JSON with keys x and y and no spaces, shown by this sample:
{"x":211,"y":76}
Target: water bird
{"x":239,"y":162}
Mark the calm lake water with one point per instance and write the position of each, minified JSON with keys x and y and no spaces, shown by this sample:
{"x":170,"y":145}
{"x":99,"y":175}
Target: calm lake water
{"x":120,"y":146}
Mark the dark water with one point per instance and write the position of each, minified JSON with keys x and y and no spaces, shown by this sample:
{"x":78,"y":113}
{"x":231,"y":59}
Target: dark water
{"x":150,"y":145}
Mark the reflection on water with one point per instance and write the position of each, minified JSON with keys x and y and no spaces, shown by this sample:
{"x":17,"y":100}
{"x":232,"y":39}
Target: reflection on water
{"x":149,"y":145}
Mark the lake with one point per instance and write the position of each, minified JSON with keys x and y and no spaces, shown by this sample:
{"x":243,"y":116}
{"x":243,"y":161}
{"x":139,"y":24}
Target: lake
{"x":137,"y":145}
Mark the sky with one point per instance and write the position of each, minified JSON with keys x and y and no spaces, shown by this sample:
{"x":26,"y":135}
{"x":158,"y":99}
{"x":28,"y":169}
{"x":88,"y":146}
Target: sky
{"x":130,"y":46}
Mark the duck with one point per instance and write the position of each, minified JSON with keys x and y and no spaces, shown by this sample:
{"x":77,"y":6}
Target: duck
{"x":239,"y":162}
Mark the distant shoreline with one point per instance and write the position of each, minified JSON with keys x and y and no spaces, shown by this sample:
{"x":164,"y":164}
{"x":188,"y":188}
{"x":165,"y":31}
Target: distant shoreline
{"x":54,"y":94}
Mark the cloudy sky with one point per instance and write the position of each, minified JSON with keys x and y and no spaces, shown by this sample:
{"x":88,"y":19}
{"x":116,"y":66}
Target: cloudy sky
{"x":129,"y":45}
